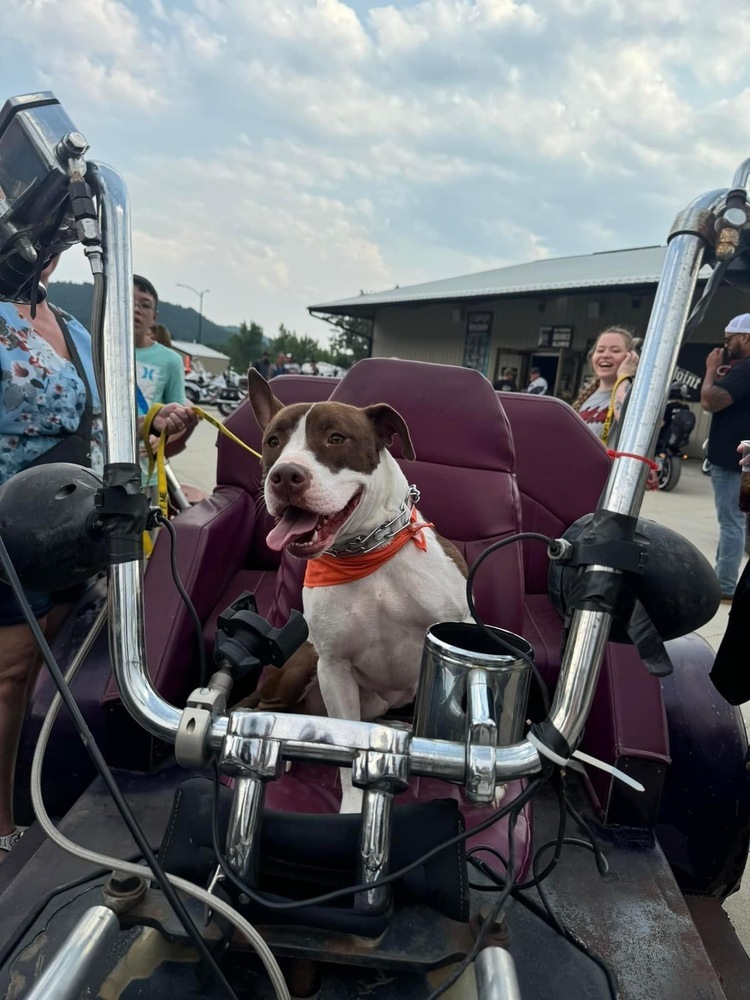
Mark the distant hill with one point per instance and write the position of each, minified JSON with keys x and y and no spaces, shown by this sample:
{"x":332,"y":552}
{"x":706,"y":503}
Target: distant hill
{"x":182,"y":323}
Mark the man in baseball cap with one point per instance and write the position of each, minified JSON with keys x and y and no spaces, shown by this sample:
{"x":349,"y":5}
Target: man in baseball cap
{"x":740,"y":324}
{"x":728,"y":399}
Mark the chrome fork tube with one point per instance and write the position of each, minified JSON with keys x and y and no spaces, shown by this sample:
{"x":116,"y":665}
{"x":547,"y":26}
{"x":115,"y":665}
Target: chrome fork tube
{"x":374,"y":848}
{"x":742,"y":175}
{"x":126,"y":632}
{"x":68,"y":972}
{"x":623,"y":493}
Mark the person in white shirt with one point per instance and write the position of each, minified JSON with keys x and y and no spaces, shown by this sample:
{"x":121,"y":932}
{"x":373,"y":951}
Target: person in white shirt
{"x":537,"y":385}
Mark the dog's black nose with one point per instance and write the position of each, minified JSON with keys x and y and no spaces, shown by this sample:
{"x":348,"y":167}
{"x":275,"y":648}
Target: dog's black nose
{"x":291,"y":477}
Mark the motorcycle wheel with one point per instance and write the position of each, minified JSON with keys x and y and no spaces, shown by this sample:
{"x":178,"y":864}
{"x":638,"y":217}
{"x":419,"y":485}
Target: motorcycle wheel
{"x":670,"y":469}
{"x":706,"y":467}
{"x":191,"y":395}
{"x":226,"y":408}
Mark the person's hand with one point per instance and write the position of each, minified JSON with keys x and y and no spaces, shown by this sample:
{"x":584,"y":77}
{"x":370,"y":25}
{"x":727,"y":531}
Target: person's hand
{"x":714,"y":359}
{"x":744,"y":463}
{"x":174,"y":418}
{"x":629,"y":365}
{"x":652,"y":483}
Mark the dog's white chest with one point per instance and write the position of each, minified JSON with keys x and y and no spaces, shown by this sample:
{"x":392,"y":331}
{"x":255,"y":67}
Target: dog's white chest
{"x":377,"y":623}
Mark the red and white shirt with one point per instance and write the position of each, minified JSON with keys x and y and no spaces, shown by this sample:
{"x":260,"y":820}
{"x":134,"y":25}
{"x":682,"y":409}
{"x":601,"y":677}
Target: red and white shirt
{"x":594,"y":411}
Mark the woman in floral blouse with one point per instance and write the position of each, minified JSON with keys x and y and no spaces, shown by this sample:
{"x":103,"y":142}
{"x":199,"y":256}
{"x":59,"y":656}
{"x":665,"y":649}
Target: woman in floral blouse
{"x":48,"y":398}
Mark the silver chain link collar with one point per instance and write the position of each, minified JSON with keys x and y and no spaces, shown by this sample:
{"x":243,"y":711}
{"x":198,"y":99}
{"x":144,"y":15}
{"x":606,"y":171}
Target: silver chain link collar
{"x":383,"y":533}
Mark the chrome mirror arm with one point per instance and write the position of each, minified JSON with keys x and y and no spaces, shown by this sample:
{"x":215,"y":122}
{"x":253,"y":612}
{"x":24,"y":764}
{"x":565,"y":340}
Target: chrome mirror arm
{"x":692,"y":231}
{"x":117,"y":352}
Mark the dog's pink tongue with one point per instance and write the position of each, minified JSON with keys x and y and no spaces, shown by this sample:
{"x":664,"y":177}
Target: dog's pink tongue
{"x":293,"y":524}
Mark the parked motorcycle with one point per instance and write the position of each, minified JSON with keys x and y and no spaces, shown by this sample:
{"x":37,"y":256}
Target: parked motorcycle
{"x":674,"y":434}
{"x":200,"y":389}
{"x":230,"y":392}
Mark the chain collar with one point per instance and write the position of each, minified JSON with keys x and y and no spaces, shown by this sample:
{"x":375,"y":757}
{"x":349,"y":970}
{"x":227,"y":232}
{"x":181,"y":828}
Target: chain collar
{"x":383,"y":533}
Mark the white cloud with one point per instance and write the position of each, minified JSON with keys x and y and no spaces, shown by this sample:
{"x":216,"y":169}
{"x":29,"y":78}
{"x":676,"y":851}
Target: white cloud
{"x":97,"y":49}
{"x":284,"y":153}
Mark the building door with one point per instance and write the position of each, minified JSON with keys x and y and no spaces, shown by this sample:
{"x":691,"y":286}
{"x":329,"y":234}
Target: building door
{"x":548,"y":363}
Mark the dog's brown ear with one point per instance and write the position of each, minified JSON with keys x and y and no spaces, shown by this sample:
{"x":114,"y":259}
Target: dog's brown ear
{"x":388,"y":422}
{"x":265,"y":405}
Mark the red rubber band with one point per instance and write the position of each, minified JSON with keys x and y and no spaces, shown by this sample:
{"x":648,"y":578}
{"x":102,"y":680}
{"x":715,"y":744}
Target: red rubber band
{"x":627,"y":454}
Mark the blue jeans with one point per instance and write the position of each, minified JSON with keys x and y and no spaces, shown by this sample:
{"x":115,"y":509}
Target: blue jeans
{"x":726,"y":486}
{"x":41,"y":603}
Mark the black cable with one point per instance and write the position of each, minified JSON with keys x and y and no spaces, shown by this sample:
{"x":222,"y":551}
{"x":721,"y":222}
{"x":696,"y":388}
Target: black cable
{"x":601,"y":861}
{"x":518,"y":802}
{"x":501,"y":882}
{"x":699,"y":312}
{"x":98,"y":304}
{"x":565,"y":932}
{"x":491,"y":919}
{"x":202,"y":666}
{"x":548,"y":917}
{"x":558,"y":841}
{"x":102,"y":767}
{"x":573,"y":939}
{"x":533,"y":535}
{"x":561,"y":792}
{"x":41,"y":261}
{"x":498,"y":881}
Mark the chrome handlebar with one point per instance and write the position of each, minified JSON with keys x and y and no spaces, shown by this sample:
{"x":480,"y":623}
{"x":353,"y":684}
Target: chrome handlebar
{"x":693,"y":230}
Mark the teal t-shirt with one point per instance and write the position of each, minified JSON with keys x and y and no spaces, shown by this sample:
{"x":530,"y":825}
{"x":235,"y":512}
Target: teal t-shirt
{"x":160,"y":375}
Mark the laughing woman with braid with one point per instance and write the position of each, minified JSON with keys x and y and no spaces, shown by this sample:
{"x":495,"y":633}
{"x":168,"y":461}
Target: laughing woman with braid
{"x":614,"y":359}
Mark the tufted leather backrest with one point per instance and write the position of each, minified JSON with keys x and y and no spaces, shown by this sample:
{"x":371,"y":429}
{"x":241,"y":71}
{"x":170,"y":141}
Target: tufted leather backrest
{"x":464,"y":468}
{"x":561,"y":467}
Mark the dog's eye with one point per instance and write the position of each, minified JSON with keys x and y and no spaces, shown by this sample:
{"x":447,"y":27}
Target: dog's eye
{"x":272,"y":441}
{"x":336,"y":439}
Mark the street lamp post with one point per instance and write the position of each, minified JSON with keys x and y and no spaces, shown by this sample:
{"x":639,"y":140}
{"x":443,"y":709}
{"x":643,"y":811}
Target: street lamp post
{"x":200,"y":306}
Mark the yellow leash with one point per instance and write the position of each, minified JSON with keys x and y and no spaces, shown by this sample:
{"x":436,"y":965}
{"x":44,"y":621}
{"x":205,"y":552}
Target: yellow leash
{"x":611,"y":410}
{"x":202,"y":415}
{"x":158,"y":458}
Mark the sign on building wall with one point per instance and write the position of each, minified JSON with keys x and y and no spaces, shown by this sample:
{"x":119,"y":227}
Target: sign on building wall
{"x":477,"y":342}
{"x":555,"y":336}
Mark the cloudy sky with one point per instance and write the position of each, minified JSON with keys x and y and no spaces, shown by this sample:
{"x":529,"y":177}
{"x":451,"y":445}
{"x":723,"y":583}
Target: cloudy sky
{"x":287,"y":152}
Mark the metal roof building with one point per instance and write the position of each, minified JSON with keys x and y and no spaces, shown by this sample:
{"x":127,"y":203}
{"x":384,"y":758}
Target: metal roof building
{"x":213,"y":361}
{"x":640,"y":267}
{"x":544,"y":313}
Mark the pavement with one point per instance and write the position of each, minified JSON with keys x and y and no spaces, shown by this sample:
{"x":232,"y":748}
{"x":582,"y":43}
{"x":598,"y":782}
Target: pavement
{"x":688,"y":509}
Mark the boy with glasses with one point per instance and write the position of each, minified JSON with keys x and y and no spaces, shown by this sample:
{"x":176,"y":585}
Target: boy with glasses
{"x":159,"y":372}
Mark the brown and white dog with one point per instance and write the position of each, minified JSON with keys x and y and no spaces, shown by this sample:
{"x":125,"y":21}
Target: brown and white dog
{"x":378,"y":575}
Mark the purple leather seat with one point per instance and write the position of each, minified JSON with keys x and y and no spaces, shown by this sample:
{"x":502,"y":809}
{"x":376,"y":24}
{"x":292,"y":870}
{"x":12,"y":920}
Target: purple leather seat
{"x":465,"y":471}
{"x":464,"y":467}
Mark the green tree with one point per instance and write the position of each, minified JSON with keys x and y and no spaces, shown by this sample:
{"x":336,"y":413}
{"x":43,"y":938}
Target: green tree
{"x":301,"y":348}
{"x":351,"y":341}
{"x":244,"y":347}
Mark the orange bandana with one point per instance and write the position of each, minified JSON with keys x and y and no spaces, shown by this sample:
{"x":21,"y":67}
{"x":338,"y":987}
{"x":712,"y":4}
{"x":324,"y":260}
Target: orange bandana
{"x":329,"y":571}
